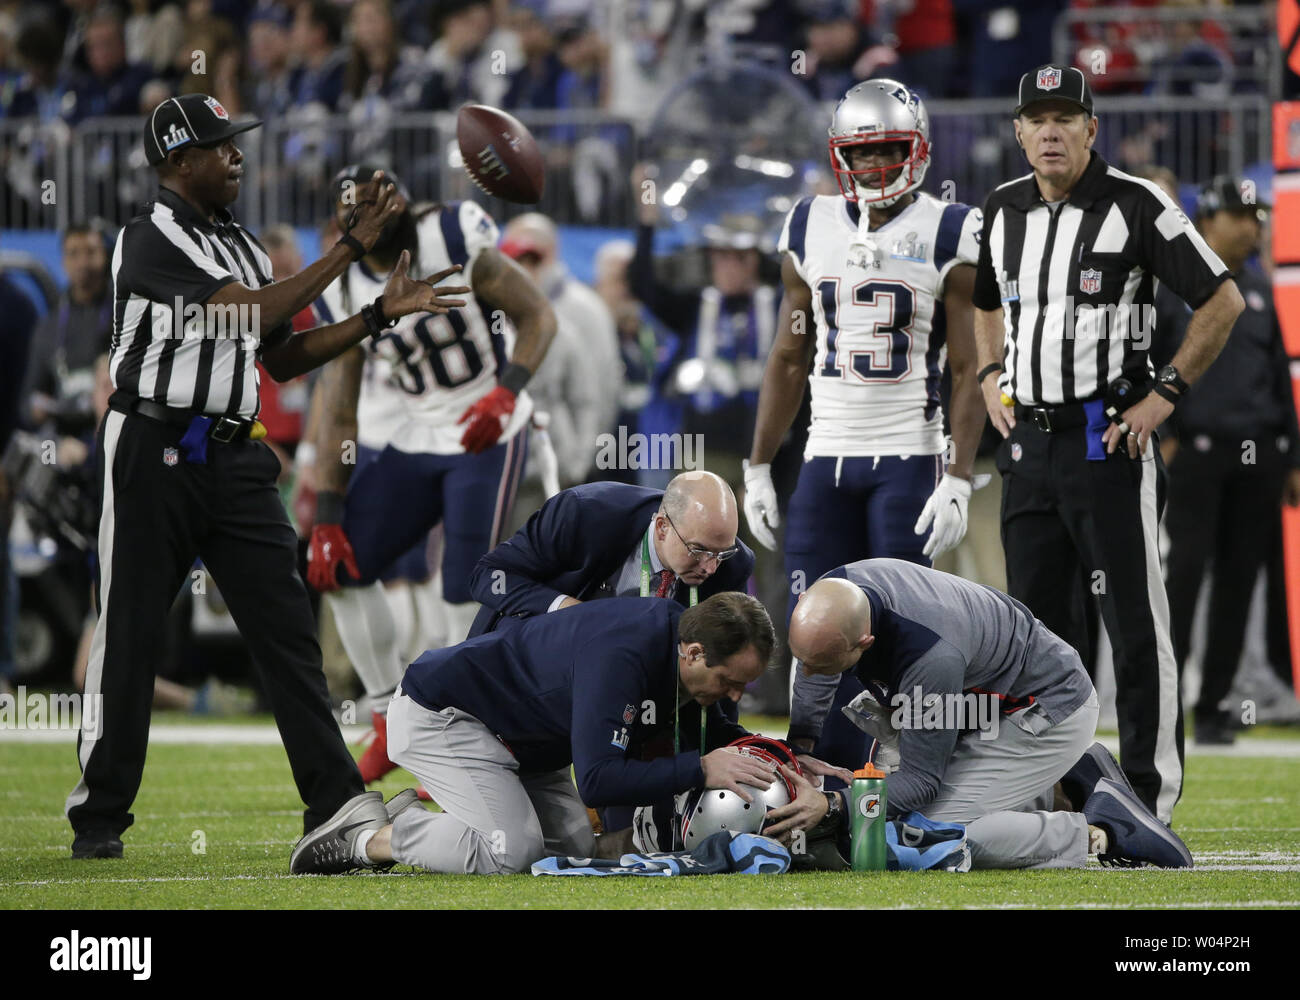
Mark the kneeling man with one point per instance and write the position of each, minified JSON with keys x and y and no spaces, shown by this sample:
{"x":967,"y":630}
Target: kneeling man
{"x":986,"y":711}
{"x":492,"y":726}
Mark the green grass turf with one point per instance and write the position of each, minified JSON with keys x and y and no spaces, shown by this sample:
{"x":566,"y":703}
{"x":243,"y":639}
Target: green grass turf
{"x":239,"y":803}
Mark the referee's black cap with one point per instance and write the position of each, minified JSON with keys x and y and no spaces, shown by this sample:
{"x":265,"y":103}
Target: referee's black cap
{"x":189,"y":120}
{"x":1230,"y":194}
{"x":1055,"y":83}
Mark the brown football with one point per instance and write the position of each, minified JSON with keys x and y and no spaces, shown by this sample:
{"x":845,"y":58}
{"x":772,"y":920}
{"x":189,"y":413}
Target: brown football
{"x":501,"y":156}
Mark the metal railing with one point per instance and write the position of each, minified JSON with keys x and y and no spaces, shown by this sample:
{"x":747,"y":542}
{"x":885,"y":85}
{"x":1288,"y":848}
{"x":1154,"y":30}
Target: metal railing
{"x":51,"y":176}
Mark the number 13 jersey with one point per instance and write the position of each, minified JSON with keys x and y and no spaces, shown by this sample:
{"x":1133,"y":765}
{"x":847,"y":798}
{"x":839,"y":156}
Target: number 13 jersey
{"x":878,"y":308}
{"x":423,"y":373}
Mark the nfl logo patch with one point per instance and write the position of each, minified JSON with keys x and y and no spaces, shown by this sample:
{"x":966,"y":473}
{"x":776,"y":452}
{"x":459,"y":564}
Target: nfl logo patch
{"x":629,"y":714}
{"x":216,"y":108}
{"x":1016,"y":451}
{"x":1090,"y":282}
{"x":1049,"y":79}
{"x":170,"y":456}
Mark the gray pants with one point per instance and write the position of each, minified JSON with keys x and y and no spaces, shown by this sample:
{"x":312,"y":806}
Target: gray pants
{"x":1002,"y":790}
{"x":494,"y":820}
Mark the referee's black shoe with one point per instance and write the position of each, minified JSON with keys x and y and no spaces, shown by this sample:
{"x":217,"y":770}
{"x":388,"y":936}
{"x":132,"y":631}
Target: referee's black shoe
{"x":96,"y":845}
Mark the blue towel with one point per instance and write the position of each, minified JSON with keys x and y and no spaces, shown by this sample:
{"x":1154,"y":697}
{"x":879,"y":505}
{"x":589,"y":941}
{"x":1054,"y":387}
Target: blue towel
{"x":914,"y":844}
{"x":721,"y":854}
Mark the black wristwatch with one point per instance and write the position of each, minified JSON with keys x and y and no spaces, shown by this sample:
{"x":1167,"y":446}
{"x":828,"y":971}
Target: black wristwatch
{"x":1168,"y":375}
{"x":375,"y":320}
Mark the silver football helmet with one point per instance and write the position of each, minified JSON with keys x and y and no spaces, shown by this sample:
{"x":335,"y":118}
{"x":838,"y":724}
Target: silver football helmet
{"x":706,"y":811}
{"x":880,"y":111}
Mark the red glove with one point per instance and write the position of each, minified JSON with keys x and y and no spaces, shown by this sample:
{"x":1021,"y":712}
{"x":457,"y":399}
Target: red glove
{"x":487,"y":420}
{"x":329,"y":547}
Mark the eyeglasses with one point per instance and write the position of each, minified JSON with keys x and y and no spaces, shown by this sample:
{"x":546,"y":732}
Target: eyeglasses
{"x":699,"y":554}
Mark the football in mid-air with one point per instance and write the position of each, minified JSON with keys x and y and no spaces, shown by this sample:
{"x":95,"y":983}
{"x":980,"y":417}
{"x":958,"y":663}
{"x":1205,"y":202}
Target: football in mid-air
{"x":501,"y":156}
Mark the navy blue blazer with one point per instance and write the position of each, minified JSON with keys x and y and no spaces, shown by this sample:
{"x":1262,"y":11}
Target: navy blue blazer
{"x":572,"y":545}
{"x":595,"y":686}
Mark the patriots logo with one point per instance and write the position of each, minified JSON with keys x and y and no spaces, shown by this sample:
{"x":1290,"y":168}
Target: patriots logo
{"x":1049,"y":79}
{"x":1090,"y":282}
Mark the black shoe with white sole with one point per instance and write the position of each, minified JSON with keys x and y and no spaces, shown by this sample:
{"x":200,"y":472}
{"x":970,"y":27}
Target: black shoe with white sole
{"x":1135,"y":835}
{"x":1081,"y":780}
{"x":328,"y":850}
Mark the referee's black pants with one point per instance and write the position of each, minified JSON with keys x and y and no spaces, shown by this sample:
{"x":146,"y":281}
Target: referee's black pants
{"x":1223,"y":510}
{"x":158,"y":513}
{"x":1070,"y":523}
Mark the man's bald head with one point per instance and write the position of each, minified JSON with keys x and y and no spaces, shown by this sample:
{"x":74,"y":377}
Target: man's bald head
{"x":831,"y":626}
{"x":702,"y":510}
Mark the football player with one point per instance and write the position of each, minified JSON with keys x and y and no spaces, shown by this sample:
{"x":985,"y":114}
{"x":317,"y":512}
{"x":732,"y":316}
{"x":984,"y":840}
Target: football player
{"x":878,"y":284}
{"x":454,"y":450}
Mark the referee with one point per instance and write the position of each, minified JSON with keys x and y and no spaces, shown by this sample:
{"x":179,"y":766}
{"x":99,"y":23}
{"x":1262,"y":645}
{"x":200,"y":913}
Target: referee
{"x":182,"y":471}
{"x":1063,"y":299}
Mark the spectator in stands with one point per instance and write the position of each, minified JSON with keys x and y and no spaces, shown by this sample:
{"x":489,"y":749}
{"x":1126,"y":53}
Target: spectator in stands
{"x":535,"y":83}
{"x":927,"y":38}
{"x":580,"y":390}
{"x":111,"y":85}
{"x":59,"y":385}
{"x":645,"y":345}
{"x":317,"y":81}
{"x":840,"y":51}
{"x":204,"y":46}
{"x":1193,"y":65}
{"x":39,"y":91}
{"x":271,"y":79}
{"x":1008,"y":38}
{"x":470,"y":58}
{"x":153,"y":30}
{"x":382,"y":74}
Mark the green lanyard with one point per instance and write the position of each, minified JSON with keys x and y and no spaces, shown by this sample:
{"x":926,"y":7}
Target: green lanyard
{"x":695,"y":599}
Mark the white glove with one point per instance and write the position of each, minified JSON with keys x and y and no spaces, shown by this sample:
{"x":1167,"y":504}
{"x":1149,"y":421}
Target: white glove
{"x":946,"y":508}
{"x":760,"y":504}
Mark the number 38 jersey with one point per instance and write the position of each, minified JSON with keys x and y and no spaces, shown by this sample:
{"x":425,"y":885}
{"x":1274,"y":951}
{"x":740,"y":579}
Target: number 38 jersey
{"x":878,"y":304}
{"x":422,"y":374}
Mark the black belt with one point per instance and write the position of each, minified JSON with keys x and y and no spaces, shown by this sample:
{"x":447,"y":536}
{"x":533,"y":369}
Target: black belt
{"x":223,"y":429}
{"x":1053,"y":418}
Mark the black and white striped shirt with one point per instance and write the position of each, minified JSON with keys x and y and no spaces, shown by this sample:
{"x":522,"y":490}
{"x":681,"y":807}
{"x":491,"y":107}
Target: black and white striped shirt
{"x":1076,"y":281}
{"x":168,"y":345}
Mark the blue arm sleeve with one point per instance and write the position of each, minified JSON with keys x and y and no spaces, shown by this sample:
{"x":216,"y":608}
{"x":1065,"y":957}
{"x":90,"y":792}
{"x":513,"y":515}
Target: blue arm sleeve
{"x":602,"y":689}
{"x":510,"y":578}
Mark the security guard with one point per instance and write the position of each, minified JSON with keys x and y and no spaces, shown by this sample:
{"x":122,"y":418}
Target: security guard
{"x":1237,"y":456}
{"x":1063,"y":301}
{"x":183,"y":474}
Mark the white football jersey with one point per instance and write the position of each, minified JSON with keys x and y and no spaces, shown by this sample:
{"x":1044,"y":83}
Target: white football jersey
{"x":425,"y":371}
{"x":880,"y":350}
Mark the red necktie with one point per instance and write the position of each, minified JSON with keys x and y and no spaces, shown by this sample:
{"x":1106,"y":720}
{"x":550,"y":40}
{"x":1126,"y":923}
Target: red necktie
{"x":666,"y":581}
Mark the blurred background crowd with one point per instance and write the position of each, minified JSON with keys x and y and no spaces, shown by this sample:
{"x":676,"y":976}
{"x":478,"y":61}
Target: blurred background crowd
{"x":720,"y":107}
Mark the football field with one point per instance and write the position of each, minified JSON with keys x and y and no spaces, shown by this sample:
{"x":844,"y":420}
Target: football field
{"x":217,"y":816}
